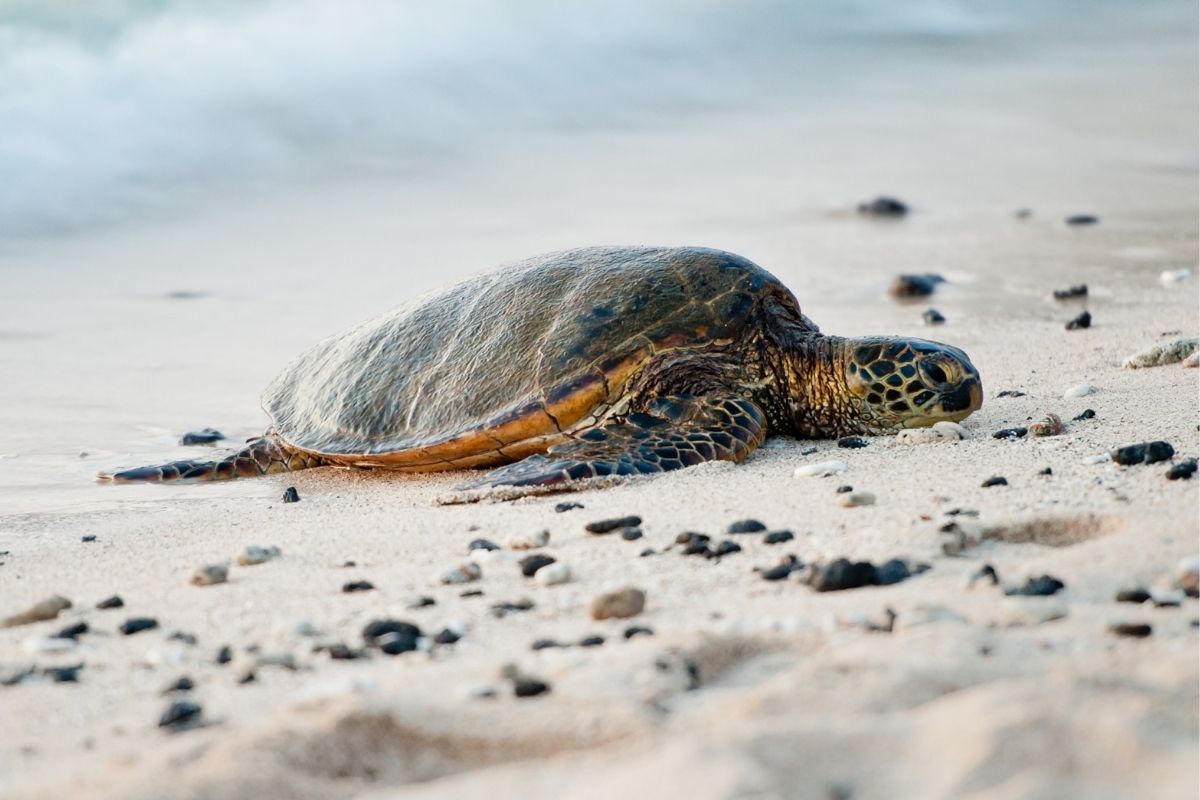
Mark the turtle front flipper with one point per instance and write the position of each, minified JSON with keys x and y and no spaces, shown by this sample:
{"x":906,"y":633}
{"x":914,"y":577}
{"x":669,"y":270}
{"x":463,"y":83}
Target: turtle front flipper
{"x":264,"y":456}
{"x":671,"y":433}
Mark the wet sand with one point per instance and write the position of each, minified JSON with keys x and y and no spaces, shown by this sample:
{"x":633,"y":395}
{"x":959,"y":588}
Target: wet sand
{"x":788,"y":693}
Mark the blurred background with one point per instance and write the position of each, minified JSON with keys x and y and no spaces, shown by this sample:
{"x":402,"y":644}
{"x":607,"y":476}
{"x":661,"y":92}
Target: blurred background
{"x":192,"y":193}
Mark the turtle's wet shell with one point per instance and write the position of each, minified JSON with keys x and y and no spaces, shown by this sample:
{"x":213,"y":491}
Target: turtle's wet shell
{"x":494,"y":368}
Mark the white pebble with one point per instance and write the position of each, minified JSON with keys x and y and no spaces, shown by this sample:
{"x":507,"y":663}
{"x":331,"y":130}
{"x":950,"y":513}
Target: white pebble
{"x":1100,"y":458}
{"x":1173,"y":277}
{"x":481,"y":556}
{"x":822,"y":469}
{"x":527,"y":541}
{"x":1188,"y":574}
{"x":1016,"y":612}
{"x":853,"y":499}
{"x":1080,"y":390}
{"x":1164,"y":353}
{"x":48,"y":644}
{"x":255,"y":554}
{"x":553,"y":574}
{"x":939,"y":432}
{"x":464,"y":573}
{"x":1167,"y":597}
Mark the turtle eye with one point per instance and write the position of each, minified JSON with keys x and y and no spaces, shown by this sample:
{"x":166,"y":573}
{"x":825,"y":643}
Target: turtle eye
{"x":936,"y":374}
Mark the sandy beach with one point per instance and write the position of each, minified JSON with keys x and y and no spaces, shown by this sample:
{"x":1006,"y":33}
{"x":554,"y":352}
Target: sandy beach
{"x":116,"y":338}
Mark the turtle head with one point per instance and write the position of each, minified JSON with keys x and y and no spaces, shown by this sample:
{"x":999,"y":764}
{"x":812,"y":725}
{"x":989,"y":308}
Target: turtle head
{"x":908,"y":383}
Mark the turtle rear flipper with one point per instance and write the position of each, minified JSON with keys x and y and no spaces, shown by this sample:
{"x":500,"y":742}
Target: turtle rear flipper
{"x":672,"y":433}
{"x":264,"y":456}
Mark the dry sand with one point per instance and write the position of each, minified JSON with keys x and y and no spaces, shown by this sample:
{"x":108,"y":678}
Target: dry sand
{"x":788,"y":695}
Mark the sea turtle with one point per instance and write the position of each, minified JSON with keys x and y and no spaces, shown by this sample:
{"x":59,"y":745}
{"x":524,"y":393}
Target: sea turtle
{"x":584,"y":363}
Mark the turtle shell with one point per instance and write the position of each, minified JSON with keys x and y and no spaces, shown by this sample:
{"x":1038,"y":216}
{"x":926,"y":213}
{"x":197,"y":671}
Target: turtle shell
{"x":497,"y":367}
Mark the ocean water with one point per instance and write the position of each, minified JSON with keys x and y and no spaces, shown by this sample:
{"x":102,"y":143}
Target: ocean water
{"x":112,"y":110}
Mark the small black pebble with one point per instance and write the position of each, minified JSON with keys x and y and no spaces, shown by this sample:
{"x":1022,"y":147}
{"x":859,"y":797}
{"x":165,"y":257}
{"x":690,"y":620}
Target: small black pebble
{"x":225,"y":655}
{"x":471,"y":593}
{"x":1010,"y":433}
{"x":631,"y":534}
{"x":446,"y":636}
{"x":391,"y":636}
{"x":202,"y":436}
{"x":1023,"y":213}
{"x":843,"y":574}
{"x":883,"y":206}
{"x":91,"y":537}
{"x":529,"y":687}
{"x":72,"y":631}
{"x":778,"y":537}
{"x":1045,"y":471}
{"x":1182,"y":471}
{"x":915,"y":285}
{"x":1011,"y":393}
{"x":1041,"y":586}
{"x":1082,"y":219}
{"x":179,"y":715}
{"x":726,"y":547}
{"x":1087,"y":413}
{"x":342,"y":652}
{"x":1133,"y":630}
{"x":745,"y":526}
{"x":182,"y":684}
{"x":183,"y":636}
{"x":1132,"y":596}
{"x":68,"y":674}
{"x":966,"y":512}
{"x":531,"y":564}
{"x":781,"y":570}
{"x":422,"y":602}
{"x":638,"y":630}
{"x":591,"y":641}
{"x":482,"y":544}
{"x":933,"y":317}
{"x":649,"y":551}
{"x":893,"y":571}
{"x":543,"y":644}
{"x":610,"y":525}
{"x":1143,"y":453}
{"x":995,"y":480}
{"x":137,"y":625}
{"x":808,"y":451}
{"x":349,"y":564}
{"x":290,"y":495}
{"x":501,"y":610}
{"x":395,"y":645}
{"x":111,"y":602}
{"x":561,"y":507}
{"x":1084,"y":320}
{"x":985,"y":573}
{"x":248,"y":676}
{"x":687,"y":537}
{"x":1071,"y":293}
{"x":852,"y":442}
{"x":357,"y":586}
{"x":844,"y":488}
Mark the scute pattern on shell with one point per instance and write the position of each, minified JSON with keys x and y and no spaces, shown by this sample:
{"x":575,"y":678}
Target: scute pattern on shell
{"x":511,"y":357}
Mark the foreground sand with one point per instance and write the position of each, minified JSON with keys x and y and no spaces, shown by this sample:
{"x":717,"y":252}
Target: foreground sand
{"x":788,"y":693}
{"x":968,"y":696}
